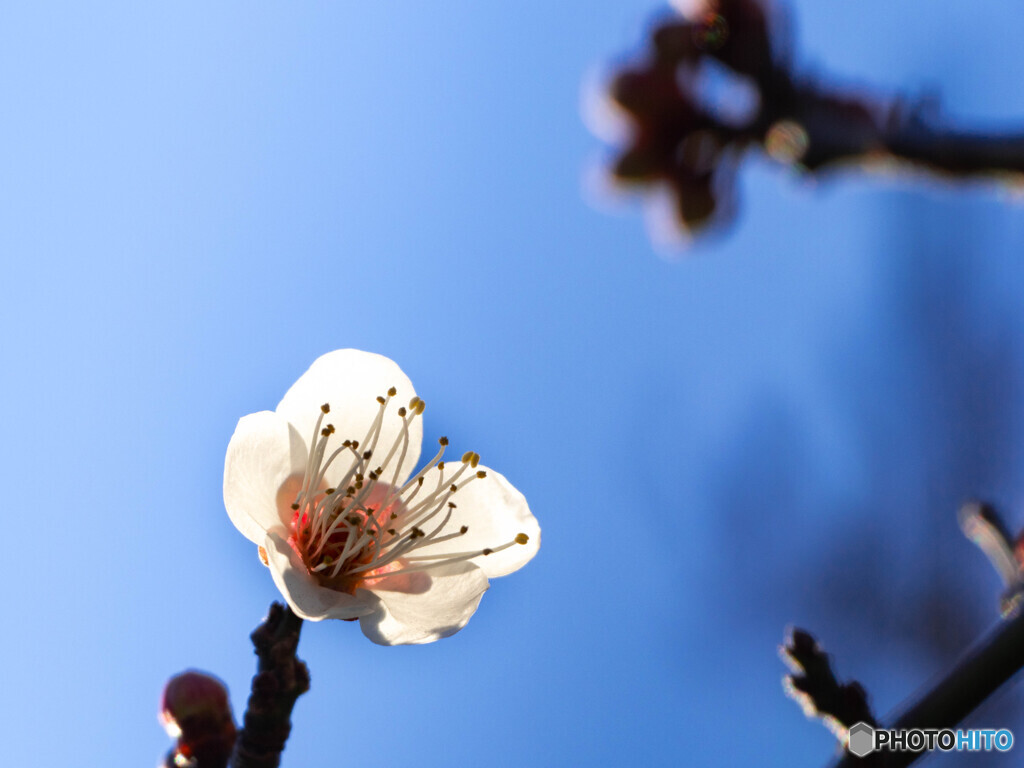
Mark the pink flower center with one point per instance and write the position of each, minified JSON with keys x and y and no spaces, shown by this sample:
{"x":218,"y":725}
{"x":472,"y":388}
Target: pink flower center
{"x":352,"y":535}
{"x":372,"y":532}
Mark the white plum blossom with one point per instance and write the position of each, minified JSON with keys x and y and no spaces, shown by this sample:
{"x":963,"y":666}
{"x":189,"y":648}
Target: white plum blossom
{"x":324,"y":485}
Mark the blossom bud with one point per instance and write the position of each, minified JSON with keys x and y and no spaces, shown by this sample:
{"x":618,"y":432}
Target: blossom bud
{"x":196,"y":710}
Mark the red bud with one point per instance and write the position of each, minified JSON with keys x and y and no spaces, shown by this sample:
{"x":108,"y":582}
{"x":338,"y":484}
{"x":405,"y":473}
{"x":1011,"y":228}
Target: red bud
{"x":195,"y":708}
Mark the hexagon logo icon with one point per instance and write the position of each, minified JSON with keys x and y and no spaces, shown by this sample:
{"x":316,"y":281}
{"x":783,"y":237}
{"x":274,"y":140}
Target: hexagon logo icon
{"x":862,"y":740}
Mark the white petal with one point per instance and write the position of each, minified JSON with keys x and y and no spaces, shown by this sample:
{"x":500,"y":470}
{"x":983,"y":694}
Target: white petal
{"x":495,"y":513}
{"x":304,"y":594}
{"x":264,"y":451}
{"x":350,"y":381}
{"x":439,"y":606}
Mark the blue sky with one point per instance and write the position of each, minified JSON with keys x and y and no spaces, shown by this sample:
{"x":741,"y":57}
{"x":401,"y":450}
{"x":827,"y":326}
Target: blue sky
{"x":200,"y":200}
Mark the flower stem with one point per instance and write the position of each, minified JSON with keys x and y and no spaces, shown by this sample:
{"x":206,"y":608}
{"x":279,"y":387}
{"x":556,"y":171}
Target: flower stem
{"x":280,"y":679}
{"x":984,"y":669}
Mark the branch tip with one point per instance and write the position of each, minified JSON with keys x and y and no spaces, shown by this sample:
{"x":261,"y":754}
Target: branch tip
{"x":814,"y":686}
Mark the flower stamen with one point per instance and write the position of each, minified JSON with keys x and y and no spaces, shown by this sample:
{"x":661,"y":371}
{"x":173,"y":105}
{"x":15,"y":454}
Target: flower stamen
{"x":365,"y":528}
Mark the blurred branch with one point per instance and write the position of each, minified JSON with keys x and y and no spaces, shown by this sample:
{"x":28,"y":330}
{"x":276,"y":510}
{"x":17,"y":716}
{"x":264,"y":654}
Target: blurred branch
{"x":844,"y":129}
{"x":958,"y":153}
{"x":280,"y":679}
{"x":978,"y":675}
{"x":982,"y":671}
{"x":684,"y":134}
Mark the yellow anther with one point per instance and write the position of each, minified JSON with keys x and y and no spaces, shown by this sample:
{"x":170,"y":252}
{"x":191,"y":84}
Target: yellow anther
{"x":414,"y":403}
{"x":443,"y":441}
{"x":481,"y":474}
{"x":402,"y":411}
{"x":367,"y":454}
{"x":463,"y":529}
{"x":329,"y":491}
{"x":392,"y":392}
{"x":326,"y":407}
{"x":381,"y":400}
{"x":467,"y":457}
{"x":440,"y":465}
{"x":522,"y":538}
{"x":454,"y":487}
{"x":420,"y":407}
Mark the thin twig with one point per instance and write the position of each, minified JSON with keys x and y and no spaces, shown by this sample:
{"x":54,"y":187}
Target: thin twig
{"x":280,"y":679}
{"x":814,"y":686}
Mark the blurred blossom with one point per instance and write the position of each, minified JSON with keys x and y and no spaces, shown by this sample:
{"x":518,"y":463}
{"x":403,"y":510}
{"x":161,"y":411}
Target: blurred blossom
{"x":674,"y":142}
{"x":694,"y":105}
{"x":323,"y":486}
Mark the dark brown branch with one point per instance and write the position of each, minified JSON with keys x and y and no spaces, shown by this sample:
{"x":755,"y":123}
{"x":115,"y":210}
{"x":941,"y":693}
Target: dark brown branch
{"x":853,"y":128}
{"x":958,"y":153}
{"x":980,"y":673}
{"x":280,"y":679}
